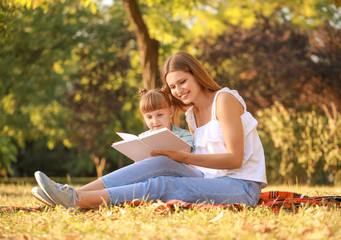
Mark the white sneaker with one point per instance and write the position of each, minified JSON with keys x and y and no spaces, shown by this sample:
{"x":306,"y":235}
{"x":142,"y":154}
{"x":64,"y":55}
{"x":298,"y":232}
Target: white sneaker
{"x":64,"y":195}
{"x":41,"y":196}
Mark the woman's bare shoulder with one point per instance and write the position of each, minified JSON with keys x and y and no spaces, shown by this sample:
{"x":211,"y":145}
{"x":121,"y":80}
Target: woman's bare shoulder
{"x":226,"y":101}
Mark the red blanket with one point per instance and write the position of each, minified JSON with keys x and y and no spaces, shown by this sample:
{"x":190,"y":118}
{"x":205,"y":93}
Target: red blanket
{"x":274,"y":200}
{"x":290,"y":201}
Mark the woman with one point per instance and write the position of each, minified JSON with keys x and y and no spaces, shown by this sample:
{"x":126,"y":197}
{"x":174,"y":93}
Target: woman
{"x":228,"y":158}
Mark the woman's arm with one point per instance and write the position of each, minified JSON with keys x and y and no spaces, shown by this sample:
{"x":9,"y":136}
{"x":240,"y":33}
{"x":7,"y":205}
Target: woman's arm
{"x":187,"y":150}
{"x":229,"y":111}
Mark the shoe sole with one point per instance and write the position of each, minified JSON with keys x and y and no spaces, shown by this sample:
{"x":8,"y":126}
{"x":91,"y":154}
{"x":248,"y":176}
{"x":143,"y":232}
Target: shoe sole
{"x":39,"y":194}
{"x":41,"y":180}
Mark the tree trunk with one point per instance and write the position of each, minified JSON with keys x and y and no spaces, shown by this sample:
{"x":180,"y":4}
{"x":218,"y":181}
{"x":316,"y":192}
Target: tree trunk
{"x":149,"y":48}
{"x":99,"y":163}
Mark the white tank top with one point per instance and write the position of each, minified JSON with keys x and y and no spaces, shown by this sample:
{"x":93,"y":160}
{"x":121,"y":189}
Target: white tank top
{"x":208,"y":139}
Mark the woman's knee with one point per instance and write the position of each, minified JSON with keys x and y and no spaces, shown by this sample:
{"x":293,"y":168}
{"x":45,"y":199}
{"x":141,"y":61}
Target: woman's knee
{"x":159,"y":162}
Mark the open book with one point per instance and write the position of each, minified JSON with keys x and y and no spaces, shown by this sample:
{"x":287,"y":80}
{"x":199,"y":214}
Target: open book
{"x":139,"y":148}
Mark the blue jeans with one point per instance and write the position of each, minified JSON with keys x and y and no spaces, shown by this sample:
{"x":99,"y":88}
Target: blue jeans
{"x":164,"y":179}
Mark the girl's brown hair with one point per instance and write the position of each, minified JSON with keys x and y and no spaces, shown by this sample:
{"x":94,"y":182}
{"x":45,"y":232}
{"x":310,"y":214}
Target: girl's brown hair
{"x":153,"y":100}
{"x":156,"y":99}
{"x":186,"y":62}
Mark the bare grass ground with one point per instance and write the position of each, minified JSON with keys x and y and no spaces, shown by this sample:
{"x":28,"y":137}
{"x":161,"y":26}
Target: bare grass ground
{"x":157,"y":222}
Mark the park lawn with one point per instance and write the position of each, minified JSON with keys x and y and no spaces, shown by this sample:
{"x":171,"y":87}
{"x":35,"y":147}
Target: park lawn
{"x":154,"y":221}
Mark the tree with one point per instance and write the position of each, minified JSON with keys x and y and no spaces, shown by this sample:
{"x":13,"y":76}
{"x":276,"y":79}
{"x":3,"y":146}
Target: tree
{"x":148,"y":47}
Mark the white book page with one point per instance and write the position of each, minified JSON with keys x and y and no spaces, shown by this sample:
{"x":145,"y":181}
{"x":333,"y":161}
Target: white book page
{"x":164,"y":139}
{"x":139,"y":148}
{"x":133,"y":149}
{"x":127,"y":136}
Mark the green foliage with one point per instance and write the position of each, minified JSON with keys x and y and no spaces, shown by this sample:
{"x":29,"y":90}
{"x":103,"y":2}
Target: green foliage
{"x":8,"y":154}
{"x":276,"y":62}
{"x":64,"y":77}
{"x":303,"y":146}
{"x":177,"y":23}
{"x":101,"y":93}
{"x":33,"y":41}
{"x":59,"y":161}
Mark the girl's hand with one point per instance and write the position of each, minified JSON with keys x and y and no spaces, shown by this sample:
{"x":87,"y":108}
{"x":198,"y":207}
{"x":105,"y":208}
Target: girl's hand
{"x":180,"y":157}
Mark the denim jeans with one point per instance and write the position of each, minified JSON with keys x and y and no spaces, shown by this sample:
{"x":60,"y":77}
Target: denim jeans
{"x":164,"y":179}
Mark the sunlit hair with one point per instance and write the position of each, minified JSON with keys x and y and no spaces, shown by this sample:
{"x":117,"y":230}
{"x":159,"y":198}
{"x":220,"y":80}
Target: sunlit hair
{"x":153,"y":100}
{"x":157,"y":99}
{"x":186,"y":62}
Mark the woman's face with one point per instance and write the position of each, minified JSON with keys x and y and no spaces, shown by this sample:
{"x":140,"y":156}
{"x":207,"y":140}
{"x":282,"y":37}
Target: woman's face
{"x":183,"y":86}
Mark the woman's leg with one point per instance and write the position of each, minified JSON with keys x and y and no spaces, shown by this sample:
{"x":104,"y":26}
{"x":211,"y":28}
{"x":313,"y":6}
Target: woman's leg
{"x":140,"y":171}
{"x":92,"y":199}
{"x":92,"y":186}
{"x":149,"y":168}
{"x":209,"y":190}
{"x":94,"y":193}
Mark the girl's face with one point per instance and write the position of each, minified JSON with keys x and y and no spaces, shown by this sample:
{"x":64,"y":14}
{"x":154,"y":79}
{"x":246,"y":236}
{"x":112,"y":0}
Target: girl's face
{"x":159,"y":119}
{"x":183,"y":86}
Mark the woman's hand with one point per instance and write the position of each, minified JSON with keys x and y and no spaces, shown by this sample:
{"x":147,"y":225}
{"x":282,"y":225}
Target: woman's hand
{"x":180,"y":157}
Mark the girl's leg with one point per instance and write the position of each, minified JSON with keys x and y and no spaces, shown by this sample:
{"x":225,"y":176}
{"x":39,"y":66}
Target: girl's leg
{"x":150,"y":168}
{"x":209,"y":190}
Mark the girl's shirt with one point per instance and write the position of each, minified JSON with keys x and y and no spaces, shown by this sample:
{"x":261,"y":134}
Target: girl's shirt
{"x":181,"y":133}
{"x":208,"y":139}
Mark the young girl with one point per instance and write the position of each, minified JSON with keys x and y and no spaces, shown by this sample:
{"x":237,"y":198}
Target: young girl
{"x":228,"y":156}
{"x":157,"y":112}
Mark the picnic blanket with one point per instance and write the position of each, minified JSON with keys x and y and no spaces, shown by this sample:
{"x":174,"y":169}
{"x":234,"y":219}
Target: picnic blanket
{"x":291,"y":201}
{"x":274,"y":200}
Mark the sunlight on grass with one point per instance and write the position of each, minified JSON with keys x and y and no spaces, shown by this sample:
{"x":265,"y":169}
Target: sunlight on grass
{"x":156,"y":221}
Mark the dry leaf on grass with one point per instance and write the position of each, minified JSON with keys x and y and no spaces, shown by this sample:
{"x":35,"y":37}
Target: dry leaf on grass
{"x":220,"y":215}
{"x":160,"y":208}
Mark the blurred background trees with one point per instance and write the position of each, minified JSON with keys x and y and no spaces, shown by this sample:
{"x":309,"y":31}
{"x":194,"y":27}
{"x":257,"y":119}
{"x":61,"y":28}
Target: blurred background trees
{"x":70,"y":71}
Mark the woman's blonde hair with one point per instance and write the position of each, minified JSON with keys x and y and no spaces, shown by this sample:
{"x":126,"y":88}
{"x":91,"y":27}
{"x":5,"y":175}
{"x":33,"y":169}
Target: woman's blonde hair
{"x":186,"y":62}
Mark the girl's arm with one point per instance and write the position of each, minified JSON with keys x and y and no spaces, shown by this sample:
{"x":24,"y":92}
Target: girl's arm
{"x":229,"y":111}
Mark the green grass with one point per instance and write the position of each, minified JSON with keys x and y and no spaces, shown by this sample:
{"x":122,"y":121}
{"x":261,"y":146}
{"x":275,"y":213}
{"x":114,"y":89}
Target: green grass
{"x":156,"y":222}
